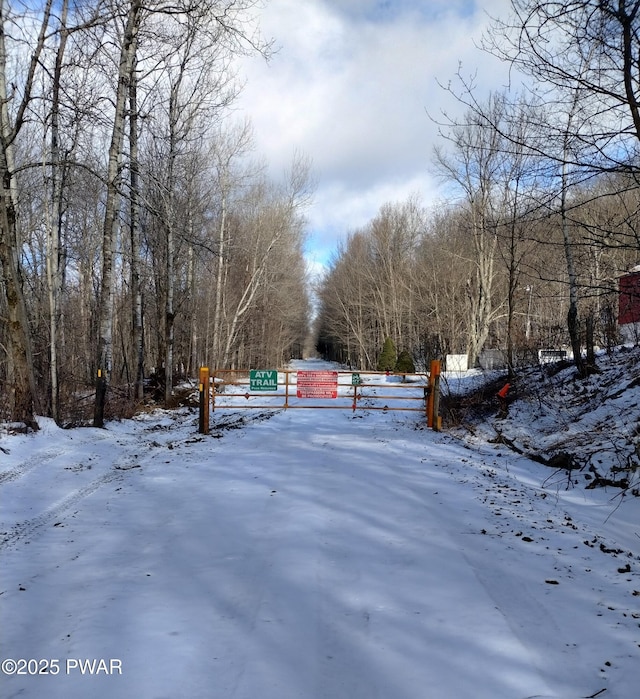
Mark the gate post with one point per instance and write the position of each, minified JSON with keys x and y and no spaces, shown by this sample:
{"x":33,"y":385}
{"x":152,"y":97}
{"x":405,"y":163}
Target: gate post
{"x":286,"y":388}
{"x":437,"y":422}
{"x":433,"y":401}
{"x":203,"y":421}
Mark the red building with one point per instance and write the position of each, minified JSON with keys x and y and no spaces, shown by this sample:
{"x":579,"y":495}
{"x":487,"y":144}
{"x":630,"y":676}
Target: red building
{"x":629,"y":298}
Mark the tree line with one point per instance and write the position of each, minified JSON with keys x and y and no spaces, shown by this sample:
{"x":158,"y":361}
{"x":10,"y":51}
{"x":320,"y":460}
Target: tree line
{"x":543,"y":213}
{"x":139,"y":235}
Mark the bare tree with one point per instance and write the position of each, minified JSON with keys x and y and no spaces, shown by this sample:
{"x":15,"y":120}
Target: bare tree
{"x":55,"y":215}
{"x":477,"y":166}
{"x":13,"y":107}
{"x":272,"y":219}
{"x":441,"y":268}
{"x":230,"y":146}
{"x":212,"y":26}
{"x":128,"y":49}
{"x":586,"y":45}
{"x":137,"y":329}
{"x":371,"y":290}
{"x":347,"y":318}
{"x":394,"y":235}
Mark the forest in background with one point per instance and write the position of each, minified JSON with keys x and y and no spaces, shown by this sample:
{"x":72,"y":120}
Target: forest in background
{"x":437,"y":285}
{"x":138,"y":232}
{"x":543,"y":213}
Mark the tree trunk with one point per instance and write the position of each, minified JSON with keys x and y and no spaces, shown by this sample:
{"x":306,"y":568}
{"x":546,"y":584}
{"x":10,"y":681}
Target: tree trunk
{"x":22,"y":384}
{"x":110,"y":230}
{"x":590,"y":342}
{"x":169,"y":315}
{"x":220,"y":272}
{"x":21,"y":377}
{"x":134,"y":231}
{"x":573,"y":321}
{"x":193,"y":315}
{"x":54,"y":271}
{"x":480,"y":296}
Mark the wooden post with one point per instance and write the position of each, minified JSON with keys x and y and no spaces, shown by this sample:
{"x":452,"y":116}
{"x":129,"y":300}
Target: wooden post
{"x":430,"y":398}
{"x":437,"y":423}
{"x":203,"y":422}
{"x":433,"y":399}
{"x":101,"y":391}
{"x":427,"y":393}
{"x":286,"y":388}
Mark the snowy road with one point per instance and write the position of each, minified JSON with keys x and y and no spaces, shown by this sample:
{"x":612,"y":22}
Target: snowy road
{"x":305,"y":556}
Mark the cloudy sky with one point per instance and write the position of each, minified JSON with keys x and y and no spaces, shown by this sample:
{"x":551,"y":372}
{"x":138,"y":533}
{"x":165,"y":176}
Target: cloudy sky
{"x":351,"y":87}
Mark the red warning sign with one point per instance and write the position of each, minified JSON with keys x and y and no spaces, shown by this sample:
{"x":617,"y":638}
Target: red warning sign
{"x":317,"y":384}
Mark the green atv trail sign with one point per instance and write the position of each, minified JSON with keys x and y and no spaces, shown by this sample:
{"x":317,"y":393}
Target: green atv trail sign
{"x":263,"y":380}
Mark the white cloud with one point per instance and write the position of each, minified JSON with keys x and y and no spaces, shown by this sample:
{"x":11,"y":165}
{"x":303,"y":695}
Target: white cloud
{"x":350,"y":88}
{"x":344,"y":208}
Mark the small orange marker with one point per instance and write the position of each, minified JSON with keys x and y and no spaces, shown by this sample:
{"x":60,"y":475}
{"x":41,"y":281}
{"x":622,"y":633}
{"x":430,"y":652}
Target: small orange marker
{"x":502,"y":393}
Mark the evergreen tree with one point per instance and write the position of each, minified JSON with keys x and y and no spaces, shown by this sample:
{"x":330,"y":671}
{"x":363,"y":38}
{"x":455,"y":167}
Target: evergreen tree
{"x":387,"y":359}
{"x":404,"y":364}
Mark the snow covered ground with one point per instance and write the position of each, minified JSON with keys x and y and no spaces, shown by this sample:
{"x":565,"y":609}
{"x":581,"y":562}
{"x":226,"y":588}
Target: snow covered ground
{"x":311,"y":555}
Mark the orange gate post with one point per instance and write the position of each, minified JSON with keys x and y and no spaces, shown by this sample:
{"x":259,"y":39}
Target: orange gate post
{"x":203,"y":421}
{"x":433,"y":399}
{"x":437,"y":420}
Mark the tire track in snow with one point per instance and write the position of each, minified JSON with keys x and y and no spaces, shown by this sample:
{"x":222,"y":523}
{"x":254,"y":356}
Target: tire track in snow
{"x":28,"y":465}
{"x":40,"y":459}
{"x":128,"y":458}
{"x":28,"y":528}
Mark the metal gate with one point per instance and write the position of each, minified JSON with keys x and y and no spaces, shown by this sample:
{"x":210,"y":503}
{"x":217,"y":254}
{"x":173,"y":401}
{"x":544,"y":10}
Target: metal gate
{"x":337,"y":390}
{"x":290,"y":389}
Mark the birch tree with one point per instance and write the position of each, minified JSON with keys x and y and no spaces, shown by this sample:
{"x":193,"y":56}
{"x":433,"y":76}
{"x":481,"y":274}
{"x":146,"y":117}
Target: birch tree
{"x":226,"y":25}
{"x":137,"y":334}
{"x":230,"y":146}
{"x":14,"y":103}
{"x":126,"y":62}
